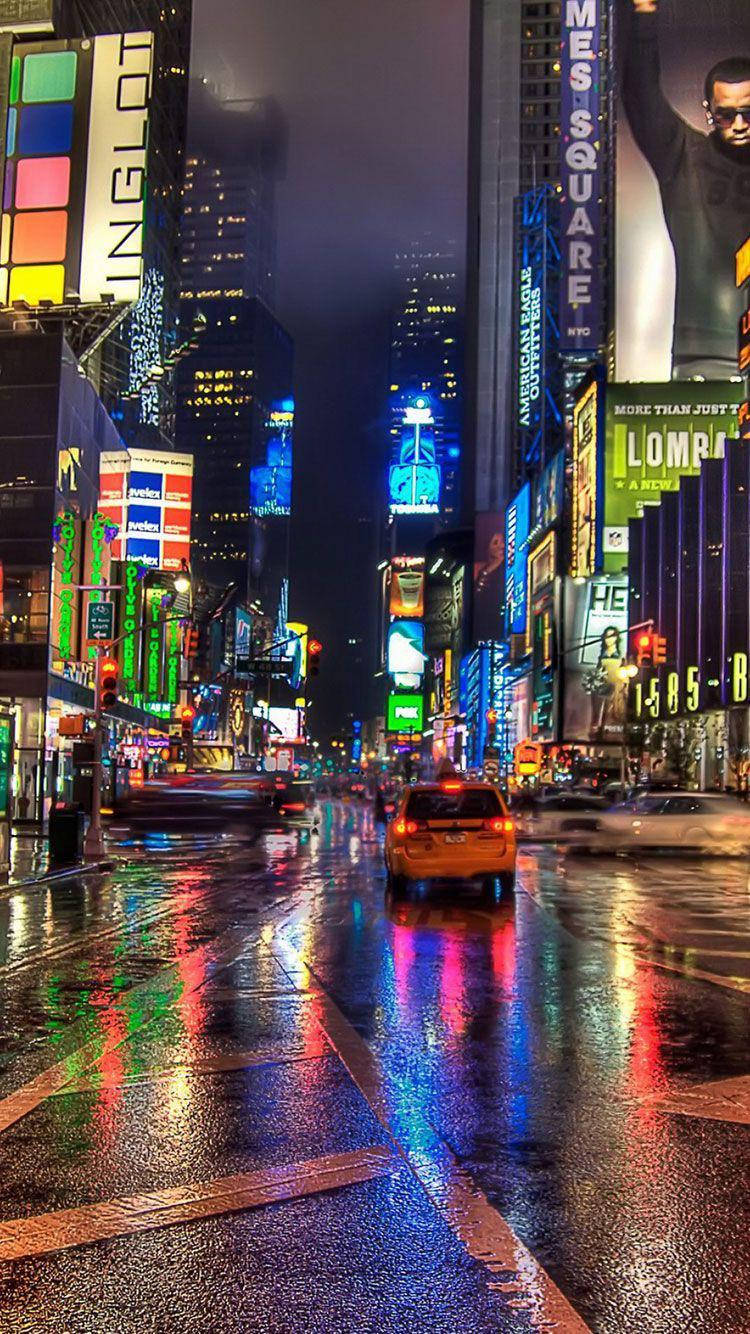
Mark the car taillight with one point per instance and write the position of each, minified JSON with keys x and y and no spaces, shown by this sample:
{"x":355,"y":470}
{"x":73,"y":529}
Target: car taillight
{"x":293,"y":806}
{"x":451,"y":787}
{"x":499,"y":825}
{"x":406,"y":827}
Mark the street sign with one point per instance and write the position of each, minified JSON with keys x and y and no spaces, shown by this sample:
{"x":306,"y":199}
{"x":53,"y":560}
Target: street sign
{"x":100,"y":621}
{"x":272,"y":666}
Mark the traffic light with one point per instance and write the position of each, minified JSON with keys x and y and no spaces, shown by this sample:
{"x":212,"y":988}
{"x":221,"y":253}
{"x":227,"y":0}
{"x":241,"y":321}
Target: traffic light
{"x":491,"y":716}
{"x":186,"y":719}
{"x":314,"y":650}
{"x":192,"y":641}
{"x":660,"y":650}
{"x":107,"y":684}
{"x":644,"y":648}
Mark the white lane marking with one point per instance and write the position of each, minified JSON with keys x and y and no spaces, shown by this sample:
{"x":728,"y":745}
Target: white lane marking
{"x":718,"y":1100}
{"x":483,"y":1231}
{"x":124,"y":1216}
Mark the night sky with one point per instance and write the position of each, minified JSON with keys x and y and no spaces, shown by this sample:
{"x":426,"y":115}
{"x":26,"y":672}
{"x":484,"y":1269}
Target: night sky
{"x":375,"y":96}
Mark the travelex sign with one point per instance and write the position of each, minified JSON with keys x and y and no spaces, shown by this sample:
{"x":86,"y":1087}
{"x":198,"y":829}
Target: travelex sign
{"x":529,"y":346}
{"x":581,"y":177}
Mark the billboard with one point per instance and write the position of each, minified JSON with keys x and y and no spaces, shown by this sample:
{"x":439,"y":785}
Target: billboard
{"x":149,"y":493}
{"x":414,"y":477}
{"x":271,"y":481}
{"x":405,"y":649}
{"x":682,"y":202}
{"x":596,"y":646}
{"x":407,"y":586}
{"x":549,"y":495}
{"x":517,"y":525}
{"x":581,"y":176}
{"x":654,"y":435}
{"x":489,"y":574}
{"x":587,"y":460}
{"x":405,"y":713}
{"x":75,"y":125}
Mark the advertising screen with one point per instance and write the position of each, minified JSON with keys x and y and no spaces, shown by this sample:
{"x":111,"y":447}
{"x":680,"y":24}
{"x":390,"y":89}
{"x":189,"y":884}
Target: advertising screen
{"x":407,"y":586}
{"x":405,"y":713}
{"x":596,"y":638}
{"x":284,"y":724}
{"x":517,"y":524}
{"x":656,"y":434}
{"x":76,"y":130}
{"x":549,"y":490}
{"x":271,"y":481}
{"x":683,"y":204}
{"x":406,"y":648}
{"x":489,"y":574}
{"x":587,"y":447}
{"x":415,"y":475}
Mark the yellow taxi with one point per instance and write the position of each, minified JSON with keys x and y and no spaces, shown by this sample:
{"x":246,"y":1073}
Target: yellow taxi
{"x":450,"y":830}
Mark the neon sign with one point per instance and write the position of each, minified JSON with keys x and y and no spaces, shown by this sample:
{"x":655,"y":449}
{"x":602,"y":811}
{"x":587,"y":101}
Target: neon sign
{"x":66,"y":541}
{"x":530,"y":347}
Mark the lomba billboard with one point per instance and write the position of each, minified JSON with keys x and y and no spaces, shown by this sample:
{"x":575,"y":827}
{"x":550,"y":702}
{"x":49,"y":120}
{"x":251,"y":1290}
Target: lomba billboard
{"x":683,"y":185}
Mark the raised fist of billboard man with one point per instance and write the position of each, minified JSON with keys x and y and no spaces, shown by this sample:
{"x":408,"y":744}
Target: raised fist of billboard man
{"x":644,"y":6}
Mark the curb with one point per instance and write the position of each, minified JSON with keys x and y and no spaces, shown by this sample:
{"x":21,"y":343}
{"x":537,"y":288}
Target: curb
{"x":79,"y":868}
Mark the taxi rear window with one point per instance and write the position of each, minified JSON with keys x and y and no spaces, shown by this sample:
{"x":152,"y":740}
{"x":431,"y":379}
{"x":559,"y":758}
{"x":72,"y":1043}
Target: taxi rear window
{"x":470,"y":804}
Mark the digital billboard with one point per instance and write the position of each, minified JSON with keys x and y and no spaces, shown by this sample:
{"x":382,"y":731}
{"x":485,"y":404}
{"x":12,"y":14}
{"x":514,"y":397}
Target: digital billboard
{"x":581,"y":176}
{"x":405,"y":649}
{"x":407,"y":586}
{"x":682,"y":201}
{"x":148,"y":494}
{"x":75,"y":126}
{"x":405,"y":713}
{"x":549,"y":495}
{"x":654,"y":435}
{"x":517,"y":524}
{"x":596,"y":639}
{"x":489,"y":574}
{"x":414,"y":476}
{"x":271,"y":481}
{"x":587,"y":460}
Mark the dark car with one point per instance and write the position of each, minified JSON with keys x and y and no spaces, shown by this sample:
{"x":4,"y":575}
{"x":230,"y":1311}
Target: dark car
{"x":293,"y":796}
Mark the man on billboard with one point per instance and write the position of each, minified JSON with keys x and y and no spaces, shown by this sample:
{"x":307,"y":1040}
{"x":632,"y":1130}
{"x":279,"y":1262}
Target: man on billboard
{"x":704,"y":184}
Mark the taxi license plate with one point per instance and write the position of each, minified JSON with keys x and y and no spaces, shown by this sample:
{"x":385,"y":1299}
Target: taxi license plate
{"x":455,"y":838}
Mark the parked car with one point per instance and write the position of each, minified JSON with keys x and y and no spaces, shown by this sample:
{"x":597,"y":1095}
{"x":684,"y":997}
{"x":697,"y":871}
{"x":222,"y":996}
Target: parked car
{"x":708,"y":822}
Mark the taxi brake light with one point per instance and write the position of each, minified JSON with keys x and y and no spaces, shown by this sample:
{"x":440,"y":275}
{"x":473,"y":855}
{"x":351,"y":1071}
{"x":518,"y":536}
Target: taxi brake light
{"x":451,"y":787}
{"x":405,"y":827}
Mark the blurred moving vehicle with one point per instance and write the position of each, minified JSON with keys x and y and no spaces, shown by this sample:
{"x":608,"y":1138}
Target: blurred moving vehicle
{"x":559,"y":815}
{"x":450,"y":830}
{"x":293,"y":796}
{"x":708,"y":822}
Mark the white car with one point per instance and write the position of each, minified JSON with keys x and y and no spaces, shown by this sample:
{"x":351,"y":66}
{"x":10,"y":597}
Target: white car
{"x":708,"y":822}
{"x":559,"y":816}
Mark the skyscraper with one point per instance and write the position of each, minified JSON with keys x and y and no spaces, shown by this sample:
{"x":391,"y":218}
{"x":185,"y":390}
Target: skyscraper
{"x":235,"y":414}
{"x":514,"y":147}
{"x":236,"y":152}
{"x":426,"y":373}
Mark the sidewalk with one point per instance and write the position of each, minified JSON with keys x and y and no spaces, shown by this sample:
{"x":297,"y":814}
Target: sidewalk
{"x":30,"y":862}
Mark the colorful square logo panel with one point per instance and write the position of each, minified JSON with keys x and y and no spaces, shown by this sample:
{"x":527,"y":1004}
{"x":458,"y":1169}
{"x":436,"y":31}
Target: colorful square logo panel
{"x":148,"y":493}
{"x":75,"y":132}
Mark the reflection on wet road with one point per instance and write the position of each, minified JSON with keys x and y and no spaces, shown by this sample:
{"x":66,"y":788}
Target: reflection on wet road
{"x":241,"y":1089}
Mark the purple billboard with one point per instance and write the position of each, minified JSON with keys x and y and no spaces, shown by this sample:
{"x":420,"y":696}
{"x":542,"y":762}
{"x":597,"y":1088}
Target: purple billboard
{"x":582,"y":175}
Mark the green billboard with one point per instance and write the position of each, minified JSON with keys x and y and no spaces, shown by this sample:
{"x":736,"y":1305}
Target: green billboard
{"x":6,"y":746}
{"x":405,"y":713}
{"x":654,"y":435}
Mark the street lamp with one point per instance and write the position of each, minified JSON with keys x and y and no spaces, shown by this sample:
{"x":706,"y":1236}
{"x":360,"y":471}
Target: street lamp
{"x":182,"y":579}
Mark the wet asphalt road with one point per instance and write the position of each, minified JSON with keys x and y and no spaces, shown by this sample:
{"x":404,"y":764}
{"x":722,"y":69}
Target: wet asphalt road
{"x":240,"y":1091}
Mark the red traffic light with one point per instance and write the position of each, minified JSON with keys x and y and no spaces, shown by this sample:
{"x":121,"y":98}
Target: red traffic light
{"x":107,"y":683}
{"x":187,"y":714}
{"x":314,"y":647}
{"x":491,"y":716}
